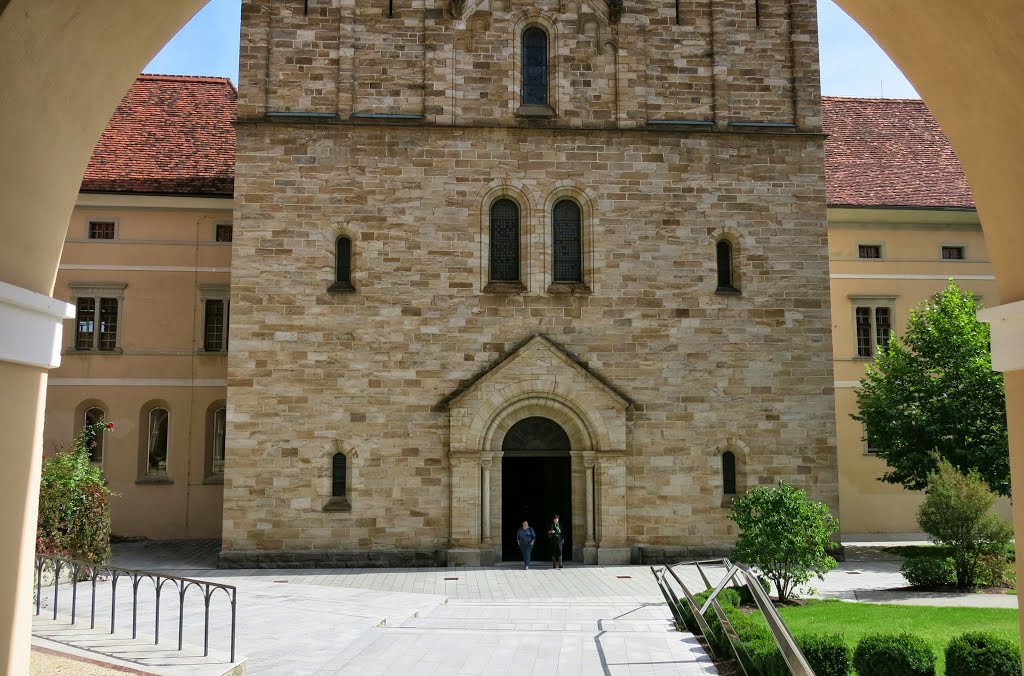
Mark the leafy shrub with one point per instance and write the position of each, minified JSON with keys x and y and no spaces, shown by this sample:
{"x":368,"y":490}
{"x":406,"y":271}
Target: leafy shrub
{"x":894,"y":655}
{"x":746,"y":598}
{"x":785,"y":534}
{"x":74,"y":510}
{"x":982,"y":654}
{"x":956,"y":512}
{"x":827,"y":654}
{"x":729,"y":597}
{"x":929,"y":571}
{"x":995,"y":569}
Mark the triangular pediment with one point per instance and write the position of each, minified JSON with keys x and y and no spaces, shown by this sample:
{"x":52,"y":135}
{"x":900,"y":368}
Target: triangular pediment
{"x":537,"y":360}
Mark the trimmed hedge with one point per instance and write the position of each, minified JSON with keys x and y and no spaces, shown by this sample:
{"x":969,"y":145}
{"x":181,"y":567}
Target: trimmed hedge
{"x":827,"y":654}
{"x":929,"y":571}
{"x":900,"y":654}
{"x":746,"y":598}
{"x":980,"y":653}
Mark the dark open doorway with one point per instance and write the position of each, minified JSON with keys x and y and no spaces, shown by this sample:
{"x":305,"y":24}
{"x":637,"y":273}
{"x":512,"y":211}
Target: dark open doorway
{"x":536,"y":484}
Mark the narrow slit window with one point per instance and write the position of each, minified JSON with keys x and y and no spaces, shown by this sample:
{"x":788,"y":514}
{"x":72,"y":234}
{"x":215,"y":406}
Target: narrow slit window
{"x":568,"y":242}
{"x":339,"y":471}
{"x":729,"y":473}
{"x":535,"y":67}
{"x":723,"y":253}
{"x":219,"y":428}
{"x":677,"y":13}
{"x":391,"y":9}
{"x":343,"y":261}
{"x":504,"y":241}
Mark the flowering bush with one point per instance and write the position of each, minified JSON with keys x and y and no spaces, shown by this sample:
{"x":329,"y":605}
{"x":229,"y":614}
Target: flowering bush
{"x":74,"y":509}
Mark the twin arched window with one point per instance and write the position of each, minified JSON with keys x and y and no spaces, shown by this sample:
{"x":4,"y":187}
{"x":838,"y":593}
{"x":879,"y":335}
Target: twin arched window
{"x":567,"y":242}
{"x":535,"y":67}
{"x":505,"y":241}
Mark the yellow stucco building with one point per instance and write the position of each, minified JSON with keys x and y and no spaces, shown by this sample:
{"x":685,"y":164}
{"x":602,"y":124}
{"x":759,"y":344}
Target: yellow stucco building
{"x":147,"y":259}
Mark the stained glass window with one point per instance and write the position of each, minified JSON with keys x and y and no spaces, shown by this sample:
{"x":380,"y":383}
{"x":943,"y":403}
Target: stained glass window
{"x":504,"y":241}
{"x":535,"y":66}
{"x":568,"y":242}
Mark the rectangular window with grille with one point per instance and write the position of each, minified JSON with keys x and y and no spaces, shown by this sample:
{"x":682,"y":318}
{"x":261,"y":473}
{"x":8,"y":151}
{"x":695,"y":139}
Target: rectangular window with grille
{"x":873,"y":326}
{"x":869,"y":251}
{"x":214,"y":334}
{"x":97,"y":316}
{"x":102,"y":229}
{"x":953,"y":253}
{"x":223,"y":233}
{"x":85,"y":323}
{"x":883,"y":326}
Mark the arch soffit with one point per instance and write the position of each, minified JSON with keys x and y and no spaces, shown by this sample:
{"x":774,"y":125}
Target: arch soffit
{"x":576,"y":192}
{"x":737,"y":446}
{"x":507,"y":189}
{"x":586,"y":433}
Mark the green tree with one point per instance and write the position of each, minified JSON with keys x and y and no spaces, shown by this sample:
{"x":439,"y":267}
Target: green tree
{"x":785,"y":534}
{"x":74,"y":509}
{"x":932,"y":393}
{"x":956,"y":512}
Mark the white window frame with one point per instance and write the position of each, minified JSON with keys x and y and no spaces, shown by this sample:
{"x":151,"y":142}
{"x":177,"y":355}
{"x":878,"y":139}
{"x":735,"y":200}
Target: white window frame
{"x":149,"y":442}
{"x":873,"y":303}
{"x":950,"y":245}
{"x":99,"y":437}
{"x":88,"y":229}
{"x":881,"y":251}
{"x":220,"y":292}
{"x":98,"y":291}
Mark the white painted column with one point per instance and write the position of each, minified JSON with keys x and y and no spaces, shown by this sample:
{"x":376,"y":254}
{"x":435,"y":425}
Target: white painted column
{"x":1007,"y":322}
{"x":34,"y":326}
{"x":485,"y":500}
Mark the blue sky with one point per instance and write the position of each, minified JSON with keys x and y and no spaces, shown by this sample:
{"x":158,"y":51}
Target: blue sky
{"x":851,"y":63}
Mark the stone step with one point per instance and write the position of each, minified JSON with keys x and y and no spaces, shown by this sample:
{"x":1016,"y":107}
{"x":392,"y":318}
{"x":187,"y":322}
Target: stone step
{"x":527,"y":625}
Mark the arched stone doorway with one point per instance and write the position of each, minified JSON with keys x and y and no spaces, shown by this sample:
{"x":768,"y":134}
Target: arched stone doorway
{"x":536,"y":483}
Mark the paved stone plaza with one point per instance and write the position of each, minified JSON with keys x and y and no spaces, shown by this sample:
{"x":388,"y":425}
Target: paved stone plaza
{"x":495,"y":620}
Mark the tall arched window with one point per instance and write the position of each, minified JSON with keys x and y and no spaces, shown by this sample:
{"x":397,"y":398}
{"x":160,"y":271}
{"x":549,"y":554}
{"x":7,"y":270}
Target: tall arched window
{"x":566,"y":220}
{"x":342,"y":264}
{"x":156,"y":448}
{"x":338,"y":501}
{"x":723,"y":251}
{"x":339,"y":472}
{"x":504,"y":241}
{"x":219,"y":435}
{"x":535,"y":67}
{"x":729,"y":473}
{"x":94,"y":415}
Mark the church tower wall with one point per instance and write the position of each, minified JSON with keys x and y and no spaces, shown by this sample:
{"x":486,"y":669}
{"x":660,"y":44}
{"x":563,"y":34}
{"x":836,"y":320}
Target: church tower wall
{"x":398,"y":125}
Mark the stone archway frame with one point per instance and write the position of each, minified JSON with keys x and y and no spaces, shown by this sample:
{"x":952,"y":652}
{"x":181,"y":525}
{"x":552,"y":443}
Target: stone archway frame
{"x":538,"y":379}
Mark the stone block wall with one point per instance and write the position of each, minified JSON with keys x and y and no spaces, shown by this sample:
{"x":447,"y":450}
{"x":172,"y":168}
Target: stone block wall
{"x":314,"y":372}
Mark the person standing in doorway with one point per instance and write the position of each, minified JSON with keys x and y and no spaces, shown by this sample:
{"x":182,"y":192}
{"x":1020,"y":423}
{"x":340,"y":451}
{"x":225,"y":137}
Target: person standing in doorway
{"x":557,"y":541}
{"x":526,"y":537}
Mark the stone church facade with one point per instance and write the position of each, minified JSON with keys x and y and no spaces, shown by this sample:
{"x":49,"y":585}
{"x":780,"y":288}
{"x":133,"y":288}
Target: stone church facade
{"x":494,"y":260}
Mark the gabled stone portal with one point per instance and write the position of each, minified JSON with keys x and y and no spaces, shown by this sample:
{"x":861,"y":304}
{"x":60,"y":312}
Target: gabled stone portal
{"x":539,"y":379}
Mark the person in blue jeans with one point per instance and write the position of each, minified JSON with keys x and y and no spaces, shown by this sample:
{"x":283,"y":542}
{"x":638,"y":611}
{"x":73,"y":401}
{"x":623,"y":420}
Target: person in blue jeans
{"x":526,"y":537}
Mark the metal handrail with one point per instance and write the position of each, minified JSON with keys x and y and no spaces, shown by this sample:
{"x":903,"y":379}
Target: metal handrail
{"x":791,"y":653}
{"x":93,"y":572}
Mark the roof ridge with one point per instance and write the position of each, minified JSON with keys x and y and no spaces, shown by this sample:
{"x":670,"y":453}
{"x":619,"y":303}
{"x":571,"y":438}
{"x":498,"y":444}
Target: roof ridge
{"x":166,"y":77}
{"x":882,"y":99}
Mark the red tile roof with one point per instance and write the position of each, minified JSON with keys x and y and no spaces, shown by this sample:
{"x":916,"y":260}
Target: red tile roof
{"x":171,"y":134}
{"x":889,"y":153}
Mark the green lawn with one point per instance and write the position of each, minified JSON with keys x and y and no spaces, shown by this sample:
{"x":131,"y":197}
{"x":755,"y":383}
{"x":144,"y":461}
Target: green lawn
{"x":935,"y":625}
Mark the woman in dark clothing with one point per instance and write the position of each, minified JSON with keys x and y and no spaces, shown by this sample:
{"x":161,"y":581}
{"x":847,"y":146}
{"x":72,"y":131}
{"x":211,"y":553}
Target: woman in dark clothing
{"x":557,"y":541}
{"x":526,"y":537}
